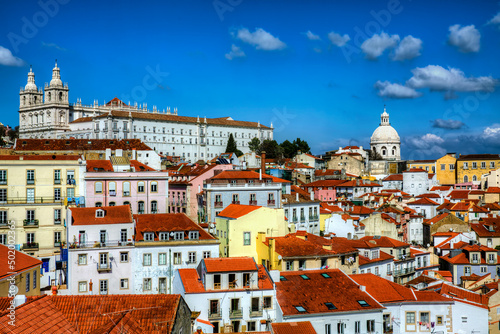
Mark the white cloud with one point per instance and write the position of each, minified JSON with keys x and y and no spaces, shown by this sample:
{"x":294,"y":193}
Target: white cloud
{"x":7,"y":59}
{"x":374,"y":46}
{"x":395,"y":90}
{"x":235,"y":52}
{"x":492,"y":131}
{"x":261,"y":39}
{"x":495,"y":19}
{"x":467,"y":38}
{"x":408,"y":48}
{"x":449,"y":124}
{"x":312,"y":36}
{"x":437,"y":78}
{"x":338,"y":39}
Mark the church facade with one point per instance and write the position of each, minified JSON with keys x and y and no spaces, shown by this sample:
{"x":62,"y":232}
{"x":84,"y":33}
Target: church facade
{"x":47,"y":113}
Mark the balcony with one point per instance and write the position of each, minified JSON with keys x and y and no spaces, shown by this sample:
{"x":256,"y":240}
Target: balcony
{"x":252,"y":203}
{"x":294,"y":219}
{"x":313,"y":217}
{"x":30,"y":181}
{"x":232,"y":285}
{"x":103,"y":267}
{"x":404,"y":271}
{"x":96,"y":244}
{"x":30,"y":246}
{"x":30,"y":223}
{"x":302,"y":219}
{"x":236,"y":313}
{"x":57,"y":221}
{"x":218,"y":205}
{"x":57,"y":244}
{"x":31,"y":200}
{"x":57,"y":181}
{"x":271,"y":202}
{"x":235,"y":202}
{"x":256,"y":312}
{"x":214,"y":314}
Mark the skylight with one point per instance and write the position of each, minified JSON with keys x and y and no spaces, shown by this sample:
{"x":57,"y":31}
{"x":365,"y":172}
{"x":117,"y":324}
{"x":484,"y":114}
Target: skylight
{"x":283,"y":278}
{"x":300,"y":308}
{"x":304,"y":277}
{"x":330,"y":306}
{"x":325,"y":275}
{"x":363,"y":303}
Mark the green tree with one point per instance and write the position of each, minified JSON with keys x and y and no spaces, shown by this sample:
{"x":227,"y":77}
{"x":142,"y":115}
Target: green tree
{"x":231,"y":146}
{"x":302,"y":146}
{"x":14,"y":133}
{"x":289,"y":149}
{"x":254,"y":144}
{"x":272,"y":149}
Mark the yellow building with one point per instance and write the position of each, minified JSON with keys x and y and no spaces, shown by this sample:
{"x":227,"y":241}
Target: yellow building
{"x":35,"y":191}
{"x":427,"y":165}
{"x":470,"y":168}
{"x":302,"y":251}
{"x":24,"y":275}
{"x":237,"y":227}
{"x":446,"y":169}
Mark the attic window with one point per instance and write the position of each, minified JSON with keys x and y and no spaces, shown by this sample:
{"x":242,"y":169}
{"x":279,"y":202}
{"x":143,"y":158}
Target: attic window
{"x":304,"y":277}
{"x":99,"y":213}
{"x":325,"y":275}
{"x":24,"y":142}
{"x":47,"y":142}
{"x":363,"y":303}
{"x":300,"y":308}
{"x":330,"y":306}
{"x":112,"y":142}
{"x":283,"y":278}
{"x":67,"y":142}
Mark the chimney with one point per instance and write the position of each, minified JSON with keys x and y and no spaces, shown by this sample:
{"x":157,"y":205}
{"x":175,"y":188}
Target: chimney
{"x":108,"y":154}
{"x":263,"y":162}
{"x":312,"y":194}
{"x":297,"y":196}
{"x":19,"y":300}
{"x":362,"y":288}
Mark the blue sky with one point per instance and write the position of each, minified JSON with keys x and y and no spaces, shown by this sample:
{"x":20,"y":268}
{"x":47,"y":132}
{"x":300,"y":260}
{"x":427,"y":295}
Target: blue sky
{"x":318,"y":70}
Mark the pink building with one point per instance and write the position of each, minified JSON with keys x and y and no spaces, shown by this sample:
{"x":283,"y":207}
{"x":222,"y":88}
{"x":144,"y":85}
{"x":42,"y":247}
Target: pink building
{"x":324,"y":190}
{"x":109,"y":183}
{"x":187,"y":181}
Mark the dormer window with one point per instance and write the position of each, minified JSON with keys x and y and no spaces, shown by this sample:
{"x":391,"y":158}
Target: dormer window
{"x":149,"y":236}
{"x":163,"y":236}
{"x":99,"y":213}
{"x":475,"y":258}
{"x":178,"y":235}
{"x":194,"y":235}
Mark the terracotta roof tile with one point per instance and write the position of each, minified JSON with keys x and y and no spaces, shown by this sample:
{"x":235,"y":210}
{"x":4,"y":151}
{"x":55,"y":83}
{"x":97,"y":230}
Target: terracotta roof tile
{"x":423,"y":201}
{"x":22,"y":263}
{"x":302,"y":327}
{"x":382,"y":257}
{"x":99,"y":166}
{"x":79,"y":144}
{"x":229,"y":264}
{"x":239,"y":174}
{"x":440,"y":188}
{"x":385,"y":241}
{"x":493,"y":190}
{"x":167,"y":222}
{"x":415,"y":170}
{"x":39,"y":157}
{"x":120,"y":214}
{"x":460,"y":294}
{"x":237,"y":210}
{"x":317,"y":290}
{"x":459,"y":194}
{"x":140,"y":167}
{"x":394,"y":177}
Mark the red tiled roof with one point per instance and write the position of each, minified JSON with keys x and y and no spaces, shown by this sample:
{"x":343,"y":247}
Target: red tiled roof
{"x":423,"y":201}
{"x":236,"y":211}
{"x":278,"y":180}
{"x":91,"y":313}
{"x":39,"y":157}
{"x":440,"y":188}
{"x":325,"y":172}
{"x":460,"y":294}
{"x":23,"y":262}
{"x":459,"y":194}
{"x":394,"y":177}
{"x":324,"y":183}
{"x":360,"y":210}
{"x":317,"y":290}
{"x":79,"y":144}
{"x":239,"y":174}
{"x":382,"y":257}
{"x":120,"y":214}
{"x":140,"y":167}
{"x":99,"y":166}
{"x":302,"y":327}
{"x":493,"y":190}
{"x":354,"y":183}
{"x":167,"y":222}
{"x":291,"y":246}
{"x":415,"y":170}
{"x":479,"y":157}
{"x":429,"y":195}
{"x":386,"y":241}
{"x":229,"y":264}
{"x":228,"y":121}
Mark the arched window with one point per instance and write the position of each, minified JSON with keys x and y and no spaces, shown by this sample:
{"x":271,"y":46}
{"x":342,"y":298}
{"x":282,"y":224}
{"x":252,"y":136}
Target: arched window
{"x":49,"y":96}
{"x":41,"y":118}
{"x":154,"y":186}
{"x":98,"y":187}
{"x":140,"y":207}
{"x":126,"y":188}
{"x":474,"y":178}
{"x":126,"y":203}
{"x":36,"y":119}
{"x":154,"y":207}
{"x":140,"y":186}
{"x":384,"y":151}
{"x":112,"y":188}
{"x":24,"y":100}
{"x":112,"y":203}
{"x":466,"y":179}
{"x":394,"y":150}
{"x":98,"y":204}
{"x":60,"y":96}
{"x":35,"y":99}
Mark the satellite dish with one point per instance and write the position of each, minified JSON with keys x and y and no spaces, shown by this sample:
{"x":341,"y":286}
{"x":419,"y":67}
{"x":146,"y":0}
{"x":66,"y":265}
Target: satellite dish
{"x":280,"y":257}
{"x":172,"y":234}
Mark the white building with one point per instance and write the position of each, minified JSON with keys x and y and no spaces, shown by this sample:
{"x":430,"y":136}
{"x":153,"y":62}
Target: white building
{"x":393,"y":181}
{"x":385,"y":140}
{"x":343,"y":225}
{"x":100,"y":242}
{"x":415,"y":229}
{"x":229,"y":292}
{"x":165,"y":243}
{"x":47,"y":113}
{"x":415,"y":181}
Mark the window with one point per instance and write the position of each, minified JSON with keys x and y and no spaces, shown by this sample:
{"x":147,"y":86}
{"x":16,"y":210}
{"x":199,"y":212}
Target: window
{"x":112,"y":188}
{"x":30,"y":237}
{"x":146,"y":285}
{"x":178,"y":235}
{"x":466,"y":165}
{"x":357,"y":327}
{"x":474,"y":165}
{"x":103,"y":261}
{"x":424,"y":318}
{"x":475,"y":258}
{"x":82,"y":286}
{"x":124,"y":257}
{"x":3,"y":239}
{"x":236,"y":199}
{"x":443,"y":166}
{"x":3,"y":195}
{"x":162,"y":259}
{"x":99,"y":213}
{"x":57,"y":194}
{"x":246,"y":238}
{"x":410,"y":317}
{"x":103,"y":287}
{"x":154,"y":186}
{"x":340,"y":328}
{"x":124,"y":283}
{"x":370,"y":326}
{"x":126,"y":188}
{"x":30,"y":195}
{"x":140,"y":186}
{"x":206,"y":254}
{"x":140,"y":207}
{"x":192,"y":257}
{"x":268,"y":302}
{"x":194,"y":235}
{"x":154,"y":207}
{"x":484,"y":269}
{"x":330,"y":306}
{"x":98,"y":187}
{"x":363,"y":303}
{"x":30,"y":176}
{"x":289,"y":265}
{"x":57,"y":216}
{"x":57,"y":239}
{"x":251,"y":326}
{"x":177,"y":258}
{"x":28,"y":282}
{"x":300,"y":308}
{"x":492,"y":164}
{"x":3,"y":217}
{"x":163,"y":236}
{"x":146,"y":259}
{"x":3,"y":177}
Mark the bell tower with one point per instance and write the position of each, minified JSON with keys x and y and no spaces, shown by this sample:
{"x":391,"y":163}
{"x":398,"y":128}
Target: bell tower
{"x":56,"y":92}
{"x":30,"y":96}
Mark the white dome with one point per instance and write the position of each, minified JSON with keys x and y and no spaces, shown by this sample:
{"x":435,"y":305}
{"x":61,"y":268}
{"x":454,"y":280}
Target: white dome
{"x":31,"y":81}
{"x":385,"y":134}
{"x":56,"y":77}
